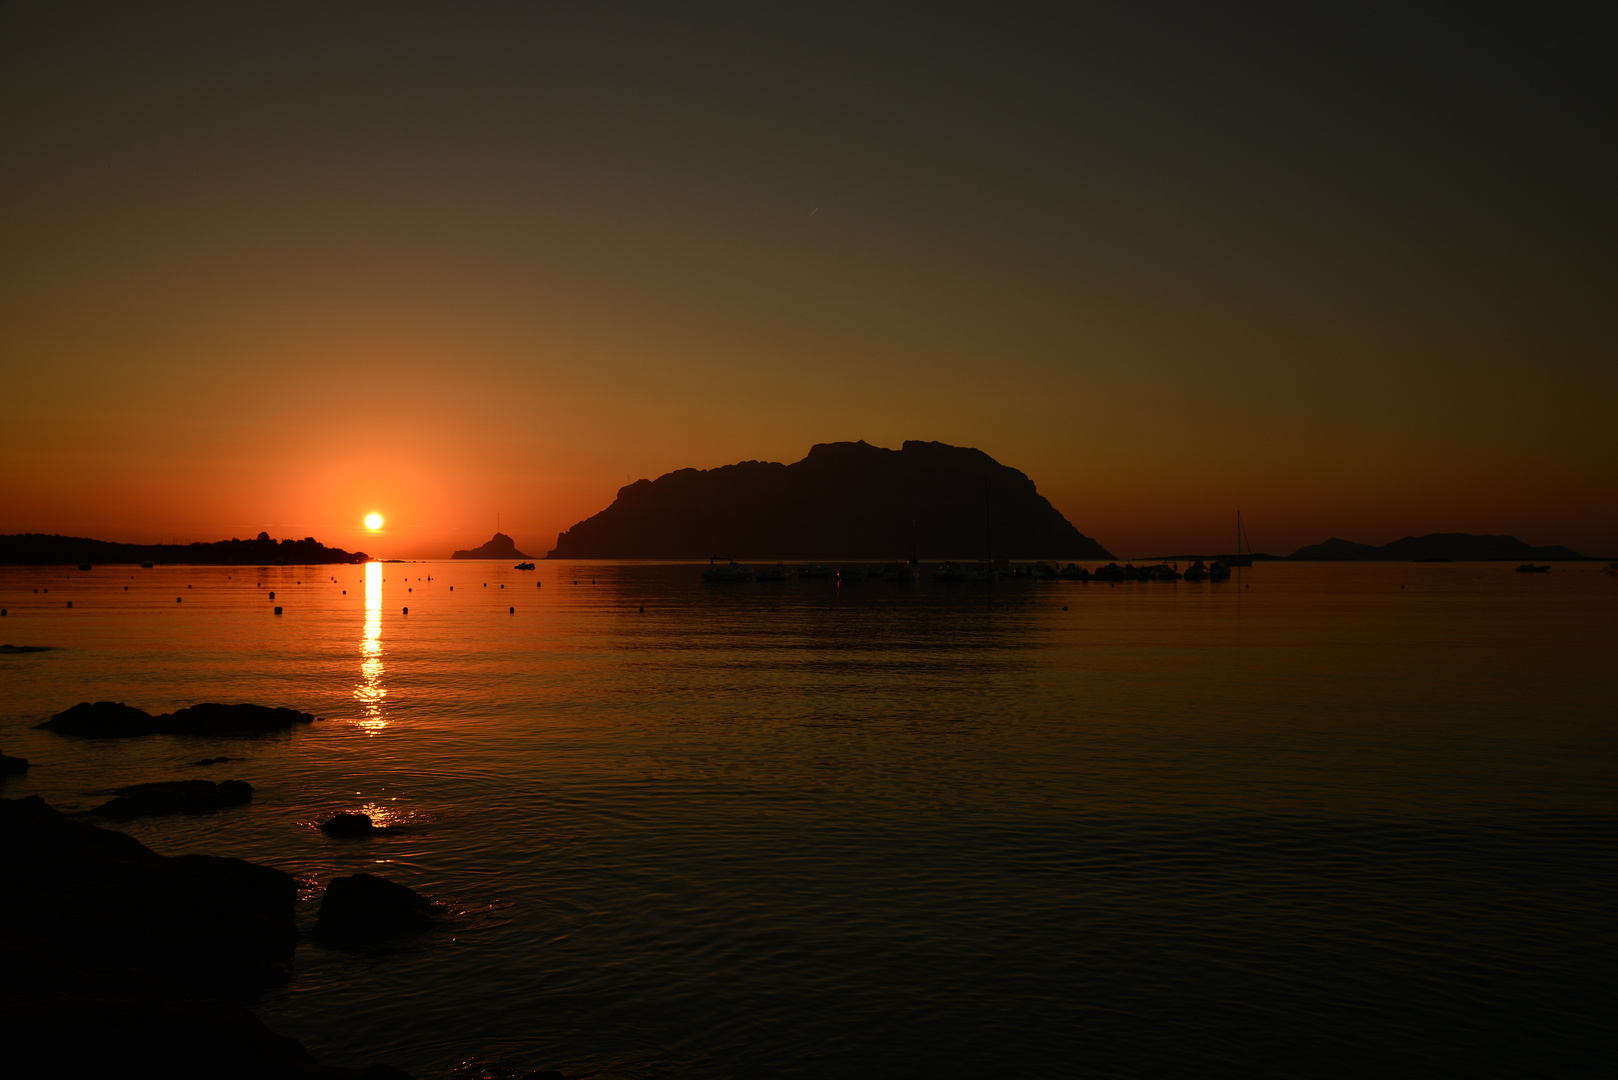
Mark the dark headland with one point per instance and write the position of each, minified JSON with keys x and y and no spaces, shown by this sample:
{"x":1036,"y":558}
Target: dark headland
{"x":500,"y":546}
{"x":39,"y":549}
{"x":846,"y":500}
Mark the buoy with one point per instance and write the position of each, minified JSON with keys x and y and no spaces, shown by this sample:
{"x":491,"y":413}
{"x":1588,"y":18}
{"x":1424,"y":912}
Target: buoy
{"x":452,"y":588}
{"x":272,"y":596}
{"x":410,"y":590}
{"x":345,"y":592}
{"x":407,"y":611}
{"x":2,"y":611}
{"x":188,"y":586}
{"x":278,"y":611}
{"x":512,"y":610}
{"x":643,"y":609}
{"x":176,"y":599}
{"x":70,"y":603}
{"x":502,"y":585}
{"x":126,"y":588}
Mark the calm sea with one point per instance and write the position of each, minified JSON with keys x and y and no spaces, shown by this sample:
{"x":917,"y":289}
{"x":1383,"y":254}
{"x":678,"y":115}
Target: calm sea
{"x":1321,"y":820}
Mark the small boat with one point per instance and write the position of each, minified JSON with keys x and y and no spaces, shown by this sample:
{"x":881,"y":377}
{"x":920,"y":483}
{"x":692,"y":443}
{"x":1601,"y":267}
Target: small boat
{"x":851,"y":573}
{"x":816,"y":570}
{"x":84,"y":566}
{"x":147,"y":565}
{"x":1610,"y":568}
{"x":524,"y":566}
{"x":1530,"y":568}
{"x":905,"y":573}
{"x":950,"y":572}
{"x":778,"y":572}
{"x":731,"y":571}
{"x":1218,"y":571}
{"x":1074,"y":572}
{"x":1196,"y":572}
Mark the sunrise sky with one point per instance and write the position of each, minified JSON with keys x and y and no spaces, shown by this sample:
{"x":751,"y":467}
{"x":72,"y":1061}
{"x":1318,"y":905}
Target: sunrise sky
{"x":280,"y":266}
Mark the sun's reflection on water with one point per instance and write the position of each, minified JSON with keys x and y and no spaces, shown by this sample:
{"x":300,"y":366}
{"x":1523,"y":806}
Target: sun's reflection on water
{"x":369,"y":691}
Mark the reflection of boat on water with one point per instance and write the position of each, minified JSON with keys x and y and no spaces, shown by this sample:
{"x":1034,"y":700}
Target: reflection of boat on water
{"x":1530,"y":568}
{"x":778,"y":572}
{"x":731,"y":571}
{"x":524,"y":566}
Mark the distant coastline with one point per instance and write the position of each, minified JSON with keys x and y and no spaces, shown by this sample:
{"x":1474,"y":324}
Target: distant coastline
{"x":41,"y":549}
{"x":1437,"y":547}
{"x":1434,"y":547}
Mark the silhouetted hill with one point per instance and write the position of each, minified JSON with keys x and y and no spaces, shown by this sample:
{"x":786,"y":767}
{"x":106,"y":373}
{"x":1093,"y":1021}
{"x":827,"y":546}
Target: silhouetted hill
{"x":500,"y":546}
{"x":1459,"y":546}
{"x":38,"y":549}
{"x":844,"y":501}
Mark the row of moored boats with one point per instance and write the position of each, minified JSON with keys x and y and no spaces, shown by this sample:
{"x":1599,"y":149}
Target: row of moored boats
{"x":732,"y":571}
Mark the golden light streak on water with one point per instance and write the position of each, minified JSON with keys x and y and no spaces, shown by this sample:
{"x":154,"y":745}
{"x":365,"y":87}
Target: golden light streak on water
{"x":369,"y":691}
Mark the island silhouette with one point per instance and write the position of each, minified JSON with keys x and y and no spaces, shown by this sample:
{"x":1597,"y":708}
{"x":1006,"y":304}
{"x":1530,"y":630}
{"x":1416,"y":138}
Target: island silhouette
{"x":499,"y":546}
{"x":39,"y":549}
{"x":845,"y":500}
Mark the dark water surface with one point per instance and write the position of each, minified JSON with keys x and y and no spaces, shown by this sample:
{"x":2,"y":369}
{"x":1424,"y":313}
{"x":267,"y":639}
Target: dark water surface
{"x":1304,"y":823}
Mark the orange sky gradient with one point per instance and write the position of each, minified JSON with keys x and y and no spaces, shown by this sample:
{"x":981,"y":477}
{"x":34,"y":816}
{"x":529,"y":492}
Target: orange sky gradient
{"x":281,"y":268}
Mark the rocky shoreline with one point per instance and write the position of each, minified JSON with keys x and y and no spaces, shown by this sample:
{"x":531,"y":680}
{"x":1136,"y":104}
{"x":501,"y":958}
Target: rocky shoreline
{"x":121,"y":961}
{"x":116,"y":960}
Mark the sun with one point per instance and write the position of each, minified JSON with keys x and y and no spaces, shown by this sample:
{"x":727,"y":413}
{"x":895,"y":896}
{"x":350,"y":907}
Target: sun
{"x":373,"y":521}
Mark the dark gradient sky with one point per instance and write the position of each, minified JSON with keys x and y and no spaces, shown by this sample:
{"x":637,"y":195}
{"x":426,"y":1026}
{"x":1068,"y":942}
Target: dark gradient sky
{"x":278,"y":266}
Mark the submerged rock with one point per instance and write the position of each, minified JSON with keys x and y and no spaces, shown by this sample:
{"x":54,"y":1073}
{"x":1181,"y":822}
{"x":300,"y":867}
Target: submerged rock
{"x":350,"y":825}
{"x":114,"y":719}
{"x":175,"y":797}
{"x":120,"y":962}
{"x":364,"y":910}
{"x":11,"y":766}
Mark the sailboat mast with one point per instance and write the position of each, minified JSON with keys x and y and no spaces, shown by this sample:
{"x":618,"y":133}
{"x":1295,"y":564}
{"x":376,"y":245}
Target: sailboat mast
{"x":988,"y":525}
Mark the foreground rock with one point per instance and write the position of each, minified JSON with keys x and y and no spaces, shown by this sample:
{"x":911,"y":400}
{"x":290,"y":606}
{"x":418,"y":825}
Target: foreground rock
{"x":175,"y":797}
{"x":114,"y":719}
{"x":116,"y":961}
{"x":12,"y":766}
{"x":364,"y":911}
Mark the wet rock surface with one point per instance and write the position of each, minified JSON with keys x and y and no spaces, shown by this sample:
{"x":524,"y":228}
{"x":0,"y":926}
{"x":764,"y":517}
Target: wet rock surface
{"x":114,"y":719}
{"x":363,"y":911}
{"x":346,"y":825}
{"x":12,"y":766}
{"x":175,"y":797}
{"x":117,"y":961}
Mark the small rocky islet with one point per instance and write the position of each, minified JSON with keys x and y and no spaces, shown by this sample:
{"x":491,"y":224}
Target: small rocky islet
{"x":115,"y":720}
